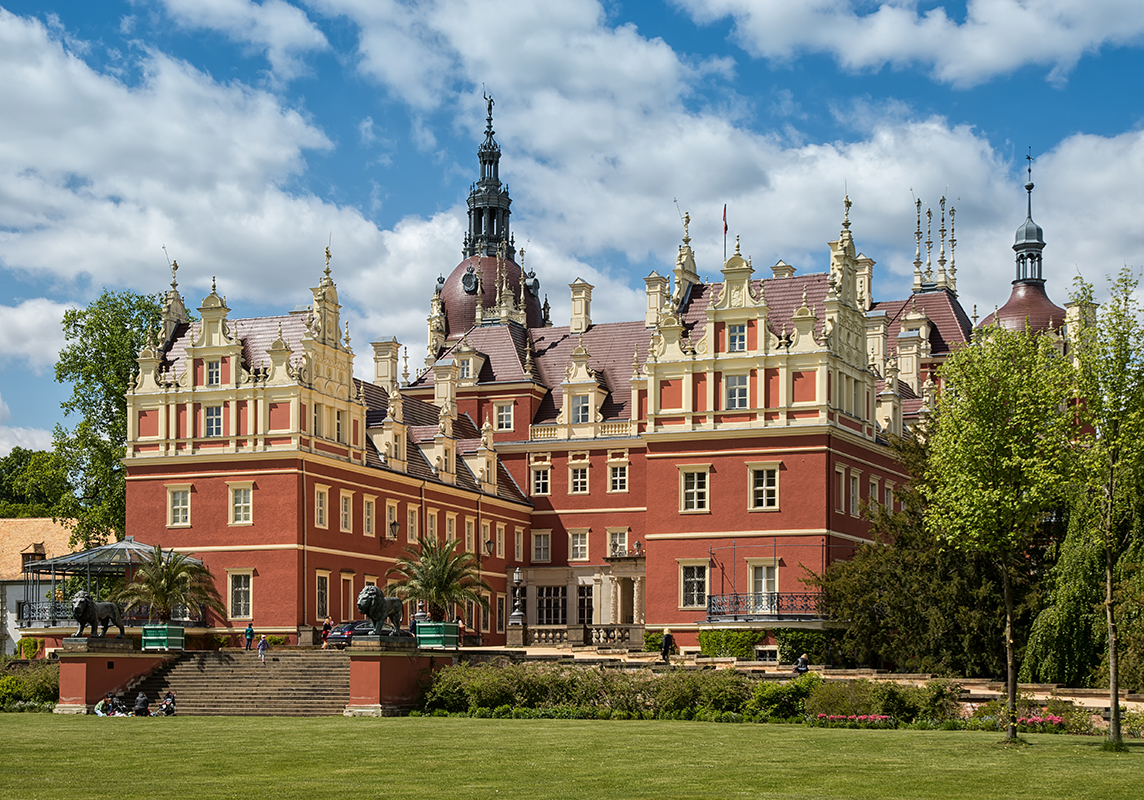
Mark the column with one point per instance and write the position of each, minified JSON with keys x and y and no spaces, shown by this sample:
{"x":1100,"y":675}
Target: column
{"x":597,"y":598}
{"x":638,"y":601}
{"x":615,"y":611}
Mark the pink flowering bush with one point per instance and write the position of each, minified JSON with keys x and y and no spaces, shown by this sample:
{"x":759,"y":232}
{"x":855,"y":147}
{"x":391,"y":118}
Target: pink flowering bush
{"x":1047,"y":723}
{"x":851,"y":721}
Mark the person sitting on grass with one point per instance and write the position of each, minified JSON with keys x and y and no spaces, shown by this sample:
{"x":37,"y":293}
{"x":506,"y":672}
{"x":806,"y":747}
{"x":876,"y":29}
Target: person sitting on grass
{"x":141,"y":709}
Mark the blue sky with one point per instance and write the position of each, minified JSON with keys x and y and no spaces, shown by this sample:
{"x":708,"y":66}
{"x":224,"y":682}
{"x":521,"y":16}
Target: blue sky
{"x":244,"y":135}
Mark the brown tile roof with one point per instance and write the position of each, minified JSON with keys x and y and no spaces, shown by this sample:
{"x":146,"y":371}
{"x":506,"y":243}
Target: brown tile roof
{"x":255,"y":333}
{"x":949,"y":324}
{"x":39,"y":535}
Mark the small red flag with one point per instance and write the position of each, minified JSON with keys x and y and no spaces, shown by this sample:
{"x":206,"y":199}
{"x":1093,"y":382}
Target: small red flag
{"x":724,"y":219}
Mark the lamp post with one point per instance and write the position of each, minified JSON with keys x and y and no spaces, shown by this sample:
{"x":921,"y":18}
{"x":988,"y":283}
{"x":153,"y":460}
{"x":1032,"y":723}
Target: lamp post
{"x":516,"y":618}
{"x":394,"y":529}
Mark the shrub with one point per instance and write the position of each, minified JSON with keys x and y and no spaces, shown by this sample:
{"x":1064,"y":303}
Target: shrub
{"x":793,"y":642}
{"x":784,"y":700}
{"x":11,"y":690}
{"x":903,"y":703}
{"x":653,"y":642}
{"x":29,"y":647}
{"x":723,"y":690}
{"x":41,"y":683}
{"x":839,"y":699}
{"x":730,"y":644}
{"x":677,"y":690}
{"x":940,"y":699}
{"x":277,"y":641}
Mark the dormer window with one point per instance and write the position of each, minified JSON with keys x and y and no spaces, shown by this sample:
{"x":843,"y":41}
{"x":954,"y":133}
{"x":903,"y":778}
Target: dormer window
{"x":214,"y":373}
{"x":737,"y":338}
{"x":466,"y":369}
{"x":580,"y":409}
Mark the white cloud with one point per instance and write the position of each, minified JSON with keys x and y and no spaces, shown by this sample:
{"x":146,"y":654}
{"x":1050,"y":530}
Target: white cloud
{"x":30,"y":332}
{"x":28,"y":438}
{"x":281,"y":30}
{"x":996,"y":37}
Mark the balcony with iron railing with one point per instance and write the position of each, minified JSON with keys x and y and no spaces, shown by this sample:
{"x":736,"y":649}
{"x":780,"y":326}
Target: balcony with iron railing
{"x":764,"y":606}
{"x":54,"y":613}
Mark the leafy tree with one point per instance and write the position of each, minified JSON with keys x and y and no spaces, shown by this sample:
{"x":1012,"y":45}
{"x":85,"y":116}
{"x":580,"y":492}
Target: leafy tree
{"x":909,"y":600}
{"x":99,"y":360}
{"x":998,"y":443}
{"x":439,"y":575}
{"x":168,"y":580}
{"x":32,"y":483}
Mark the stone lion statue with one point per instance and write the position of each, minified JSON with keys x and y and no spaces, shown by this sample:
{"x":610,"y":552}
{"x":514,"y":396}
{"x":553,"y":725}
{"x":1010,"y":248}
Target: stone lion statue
{"x":89,"y":612}
{"x":380,"y":609}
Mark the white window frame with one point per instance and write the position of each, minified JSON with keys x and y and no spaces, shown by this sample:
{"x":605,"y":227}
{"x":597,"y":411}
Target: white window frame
{"x":412,"y":523}
{"x":212,"y":422}
{"x":346,"y":511}
{"x":617,"y":479}
{"x":578,"y":478}
{"x":541,"y":547}
{"x":450,"y":526}
{"x":319,"y":576}
{"x":180,"y":491}
{"x":319,"y":412}
{"x":503,"y":416}
{"x":486,"y":536}
{"x":855,"y":491}
{"x":390,"y":516}
{"x":431,"y":524}
{"x":465,"y":369}
{"x":541,"y":481}
{"x":237,"y":491}
{"x":501,"y":604}
{"x":339,"y":428}
{"x":581,"y":411}
{"x":699,"y":563}
{"x":369,"y":515}
{"x":321,"y":506}
{"x":741,"y":398}
{"x":500,"y":539}
{"x":888,"y":492}
{"x":840,"y":490}
{"x":231,"y":574}
{"x":518,"y":544}
{"x":873,"y":494}
{"x":769,"y":503}
{"x":617,"y":541}
{"x":772,"y":564}
{"x":737,"y":337}
{"x":470,"y":534}
{"x":214,"y":373}
{"x":695,"y":499}
{"x":578,"y":544}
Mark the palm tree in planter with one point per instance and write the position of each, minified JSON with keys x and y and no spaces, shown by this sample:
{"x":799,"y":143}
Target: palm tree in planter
{"x":168,"y":580}
{"x":439,"y":575}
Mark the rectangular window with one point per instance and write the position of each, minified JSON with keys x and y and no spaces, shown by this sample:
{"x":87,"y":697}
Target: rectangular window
{"x":584,"y":604}
{"x":873,"y":495}
{"x":318,"y":414}
{"x":239,"y":595}
{"x":839,"y":490}
{"x":466,"y":369}
{"x":347,"y":512}
{"x":578,"y":480}
{"x":390,"y":519}
{"x":578,"y":546}
{"x":469,"y":615}
{"x":551,"y":605}
{"x":214,"y":373}
{"x":214,"y":421}
{"x":540,"y":481}
{"x":322,"y":594}
{"x":321,"y":506}
{"x":618,"y":542}
{"x":450,"y":527}
{"x":486,"y":610}
{"x":541,"y":547}
{"x":485,"y":537}
{"x":693,"y":494}
{"x":736,"y":391}
{"x":240,"y":505}
{"x":518,"y":545}
{"x":339,"y":417}
{"x":854,"y":495}
{"x":500,"y":613}
{"x":367,"y":518}
{"x":413,"y":529}
{"x":693,"y":585}
{"x":764,"y":488}
{"x":504,"y":417}
{"x":889,"y":498}
{"x":736,"y":338}
{"x":431,"y":523}
{"x":469,"y":536}
{"x":500,"y":540}
{"x":580,"y":409}
{"x":619,"y":482}
{"x":178,"y":507}
{"x":764,"y":584}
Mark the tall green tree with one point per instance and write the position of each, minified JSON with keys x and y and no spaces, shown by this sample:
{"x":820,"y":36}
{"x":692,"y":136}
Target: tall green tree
{"x":1110,"y":385}
{"x":909,"y":600}
{"x":439,"y":575}
{"x":32,"y":483}
{"x":999,"y":441}
{"x":103,"y":341}
{"x":168,"y":580}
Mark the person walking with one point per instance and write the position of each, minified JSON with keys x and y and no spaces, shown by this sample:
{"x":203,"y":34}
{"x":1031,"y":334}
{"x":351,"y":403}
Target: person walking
{"x":327,"y":626}
{"x":667,"y":646}
{"x":262,"y":647}
{"x":249,"y":633}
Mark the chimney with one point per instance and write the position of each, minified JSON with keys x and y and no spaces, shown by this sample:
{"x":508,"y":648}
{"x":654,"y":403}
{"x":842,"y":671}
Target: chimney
{"x":581,"y":305}
{"x":656,"y":297}
{"x":385,"y":356}
{"x":782,"y":270}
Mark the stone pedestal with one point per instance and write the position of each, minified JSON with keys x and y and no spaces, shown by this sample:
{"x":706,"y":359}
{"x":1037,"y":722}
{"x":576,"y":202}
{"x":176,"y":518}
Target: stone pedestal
{"x":516,"y":636}
{"x":97,"y":644}
{"x":89,"y":668}
{"x":386,"y":681}
{"x":390,"y":644}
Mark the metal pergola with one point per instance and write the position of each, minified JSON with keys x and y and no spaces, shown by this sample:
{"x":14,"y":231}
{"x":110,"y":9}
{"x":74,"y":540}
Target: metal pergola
{"x":43,"y":581}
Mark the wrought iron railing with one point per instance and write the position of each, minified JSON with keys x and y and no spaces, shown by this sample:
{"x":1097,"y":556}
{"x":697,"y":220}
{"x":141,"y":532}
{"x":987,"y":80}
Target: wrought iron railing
{"x":763,"y":604}
{"x":49,"y":610}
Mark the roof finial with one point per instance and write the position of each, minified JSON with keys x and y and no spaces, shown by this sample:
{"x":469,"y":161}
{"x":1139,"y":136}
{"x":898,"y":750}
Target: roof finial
{"x":941,"y":236}
{"x":328,"y":258}
{"x":405,"y":372}
{"x":737,"y":245}
{"x":686,"y":224}
{"x":213,"y":284}
{"x":347,"y":339}
{"x":952,"y":251}
{"x":975,"y":315}
{"x":1029,"y":183}
{"x":846,"y":211}
{"x":929,"y":244}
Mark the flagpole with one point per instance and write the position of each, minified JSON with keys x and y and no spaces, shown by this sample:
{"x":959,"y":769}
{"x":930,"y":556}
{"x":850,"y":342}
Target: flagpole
{"x":724,"y":233}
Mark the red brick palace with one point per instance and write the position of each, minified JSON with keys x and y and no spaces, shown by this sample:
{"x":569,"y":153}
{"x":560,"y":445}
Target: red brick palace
{"x":677,"y":469}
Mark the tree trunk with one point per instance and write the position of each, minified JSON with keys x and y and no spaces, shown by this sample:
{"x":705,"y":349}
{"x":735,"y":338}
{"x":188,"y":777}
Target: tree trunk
{"x":1114,"y":735}
{"x":1010,"y":658}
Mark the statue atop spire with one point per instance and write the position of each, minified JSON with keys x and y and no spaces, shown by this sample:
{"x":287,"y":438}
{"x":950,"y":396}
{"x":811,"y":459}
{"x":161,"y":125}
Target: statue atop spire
{"x":489,"y":200}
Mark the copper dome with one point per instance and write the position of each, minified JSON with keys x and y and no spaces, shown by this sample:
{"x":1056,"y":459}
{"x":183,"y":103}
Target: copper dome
{"x":461,"y":305}
{"x":1028,"y":302}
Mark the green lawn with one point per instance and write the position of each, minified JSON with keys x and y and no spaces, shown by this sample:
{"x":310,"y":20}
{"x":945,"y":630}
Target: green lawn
{"x":48,"y":756}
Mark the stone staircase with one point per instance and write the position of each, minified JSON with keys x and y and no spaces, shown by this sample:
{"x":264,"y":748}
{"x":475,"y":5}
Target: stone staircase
{"x":234,"y":683}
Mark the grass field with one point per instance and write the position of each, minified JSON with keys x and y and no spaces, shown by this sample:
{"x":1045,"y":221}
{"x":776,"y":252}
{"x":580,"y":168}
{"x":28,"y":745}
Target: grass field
{"x":46,"y":756}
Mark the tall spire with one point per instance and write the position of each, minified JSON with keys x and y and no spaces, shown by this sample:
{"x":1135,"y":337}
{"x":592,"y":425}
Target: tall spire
{"x":488,"y":201}
{"x":1030,"y":239}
